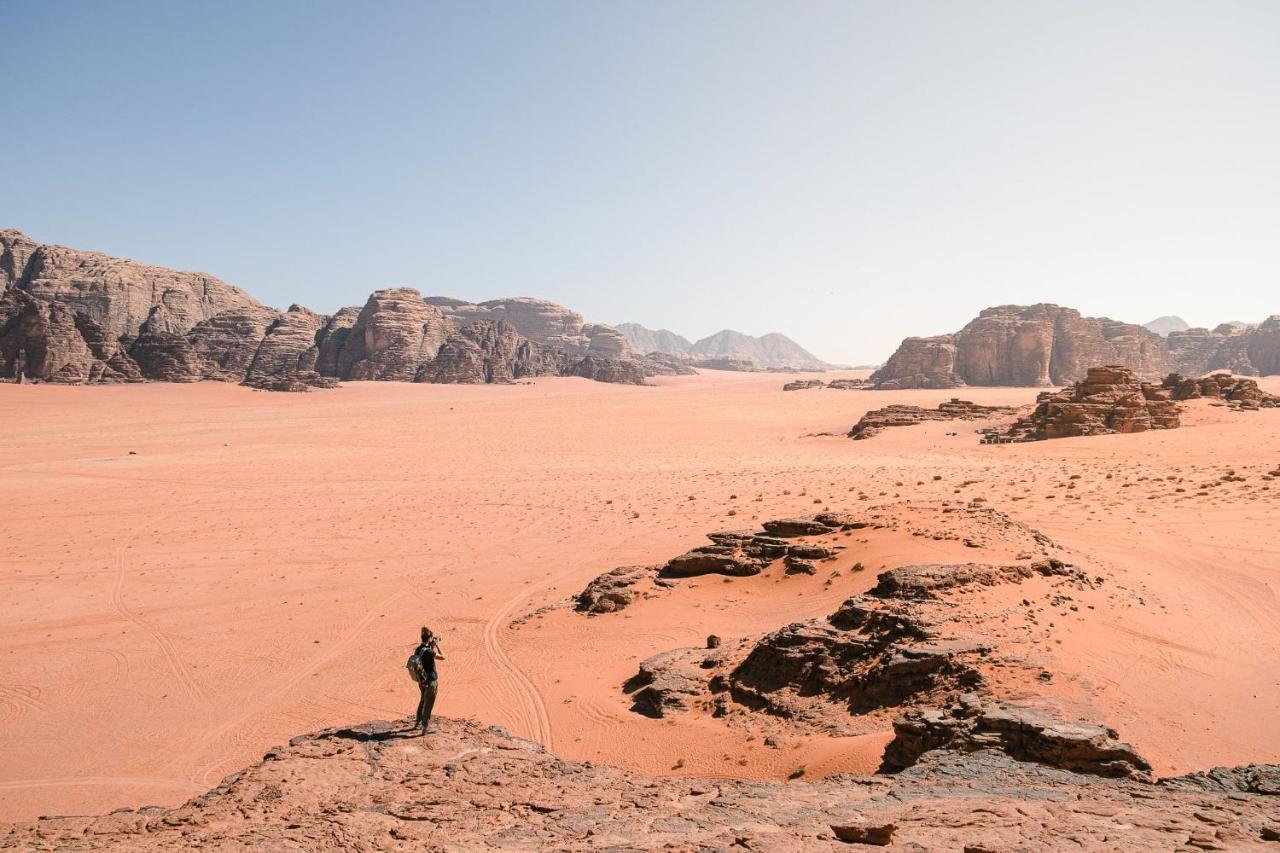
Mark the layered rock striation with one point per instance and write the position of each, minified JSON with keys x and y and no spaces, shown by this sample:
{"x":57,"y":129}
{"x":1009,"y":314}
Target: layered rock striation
{"x":1045,"y":344}
{"x":1109,"y":400}
{"x":74,"y":317}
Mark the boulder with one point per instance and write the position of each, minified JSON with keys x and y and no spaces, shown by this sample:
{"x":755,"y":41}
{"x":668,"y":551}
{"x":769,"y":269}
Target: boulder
{"x":667,"y":683}
{"x":1026,"y":734}
{"x":612,"y":591}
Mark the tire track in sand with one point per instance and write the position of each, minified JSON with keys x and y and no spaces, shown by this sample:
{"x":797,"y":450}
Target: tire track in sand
{"x":286,"y":687}
{"x":170,"y":652}
{"x":530,"y":705}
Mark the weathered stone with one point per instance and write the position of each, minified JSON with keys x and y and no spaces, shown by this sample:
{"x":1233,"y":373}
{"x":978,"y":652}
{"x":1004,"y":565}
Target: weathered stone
{"x":115,"y":293}
{"x":798,"y":527}
{"x":487,"y":351}
{"x":661,"y":364}
{"x":227,"y":342}
{"x":394,"y":335}
{"x":612,"y":591}
{"x":1027,"y":734}
{"x":1050,"y":345}
{"x":666,"y":683}
{"x":626,"y":371}
{"x":880,"y":835}
{"x":1109,"y":400}
{"x":876,"y":421}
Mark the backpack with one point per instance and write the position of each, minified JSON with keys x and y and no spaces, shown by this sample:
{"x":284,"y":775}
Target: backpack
{"x":414,"y":665}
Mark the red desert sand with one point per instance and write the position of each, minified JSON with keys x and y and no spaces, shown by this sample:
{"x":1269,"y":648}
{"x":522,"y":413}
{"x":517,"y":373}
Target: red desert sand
{"x":195,"y":573}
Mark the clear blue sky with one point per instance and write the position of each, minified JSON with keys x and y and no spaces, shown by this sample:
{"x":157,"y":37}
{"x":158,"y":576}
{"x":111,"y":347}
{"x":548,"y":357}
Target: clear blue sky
{"x":847,"y":173}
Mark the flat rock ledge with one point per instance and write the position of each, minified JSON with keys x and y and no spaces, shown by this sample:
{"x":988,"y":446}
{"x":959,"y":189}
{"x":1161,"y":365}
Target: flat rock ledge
{"x":372,"y":787}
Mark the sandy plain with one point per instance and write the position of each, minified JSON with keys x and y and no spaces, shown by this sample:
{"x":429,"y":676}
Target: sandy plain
{"x":194,"y":573}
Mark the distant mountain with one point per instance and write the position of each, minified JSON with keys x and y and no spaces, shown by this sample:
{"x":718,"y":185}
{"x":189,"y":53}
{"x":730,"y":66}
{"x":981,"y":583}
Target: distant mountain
{"x":1162,"y":326}
{"x":772,"y":351}
{"x":645,"y":340}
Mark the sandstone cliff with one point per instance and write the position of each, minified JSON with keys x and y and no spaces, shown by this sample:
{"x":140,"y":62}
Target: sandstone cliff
{"x":71,"y":316}
{"x":542,"y":322}
{"x":1045,"y":344}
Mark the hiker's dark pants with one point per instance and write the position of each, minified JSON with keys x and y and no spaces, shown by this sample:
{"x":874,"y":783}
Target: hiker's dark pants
{"x":427,"y":701}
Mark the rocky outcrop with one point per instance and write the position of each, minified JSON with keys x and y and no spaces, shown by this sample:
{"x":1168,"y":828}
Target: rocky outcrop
{"x":331,"y":340}
{"x":228,"y":342}
{"x":736,"y":365}
{"x":16,"y":250}
{"x":488,"y":351}
{"x":115,"y":293}
{"x":834,"y":384}
{"x":667,"y":683}
{"x":1236,"y":391}
{"x":1247,"y":779}
{"x":468,"y":787}
{"x":660,"y":364}
{"x":876,"y":421}
{"x":741,"y":553}
{"x":41,"y":341}
{"x":1050,"y":345}
{"x":395,"y":333}
{"x":613,"y":591}
{"x":1109,"y":400}
{"x":892,"y":647}
{"x":624,"y":371}
{"x":1025,"y":734}
{"x":71,"y":316}
{"x":290,"y":347}
{"x":920,"y":363}
{"x":542,"y":322}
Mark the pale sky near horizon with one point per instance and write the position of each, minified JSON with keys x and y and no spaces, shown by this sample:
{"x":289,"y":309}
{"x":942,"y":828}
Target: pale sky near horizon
{"x":844,"y":173}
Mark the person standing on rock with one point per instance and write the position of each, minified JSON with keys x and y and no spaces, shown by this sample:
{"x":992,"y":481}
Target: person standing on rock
{"x":422,"y":667}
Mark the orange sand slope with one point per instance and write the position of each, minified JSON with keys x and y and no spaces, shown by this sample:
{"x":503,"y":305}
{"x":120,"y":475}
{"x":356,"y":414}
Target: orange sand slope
{"x":195,"y":573}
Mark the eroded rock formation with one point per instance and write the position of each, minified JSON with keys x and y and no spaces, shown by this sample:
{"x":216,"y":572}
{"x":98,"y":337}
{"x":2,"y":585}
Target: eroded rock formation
{"x":370,"y":787}
{"x":1047,"y":344}
{"x":71,"y":316}
{"x":1109,"y":400}
{"x":876,"y":421}
{"x":1236,"y":391}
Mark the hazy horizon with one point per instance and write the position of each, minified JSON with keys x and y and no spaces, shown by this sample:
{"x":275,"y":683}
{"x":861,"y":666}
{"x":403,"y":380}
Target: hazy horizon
{"x":846,"y":174}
